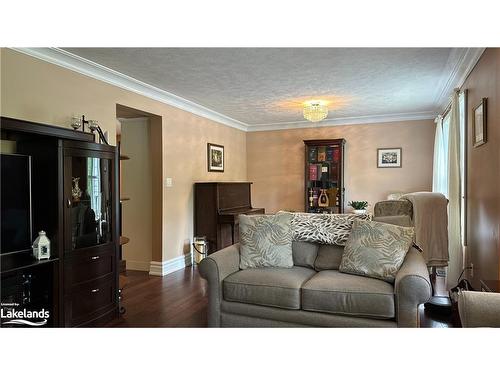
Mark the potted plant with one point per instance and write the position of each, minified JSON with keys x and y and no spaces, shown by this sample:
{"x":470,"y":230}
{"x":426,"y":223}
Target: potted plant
{"x":358,"y":206}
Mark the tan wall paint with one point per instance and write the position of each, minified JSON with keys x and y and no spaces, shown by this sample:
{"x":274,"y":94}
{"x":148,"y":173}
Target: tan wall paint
{"x":136,"y":184}
{"x":483,"y":168}
{"x":275,"y":162}
{"x":34,"y":90}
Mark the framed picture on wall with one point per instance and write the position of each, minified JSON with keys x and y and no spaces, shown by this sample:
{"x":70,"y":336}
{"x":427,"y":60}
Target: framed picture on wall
{"x":479,"y":123}
{"x":215,"y":157}
{"x":389,"y":157}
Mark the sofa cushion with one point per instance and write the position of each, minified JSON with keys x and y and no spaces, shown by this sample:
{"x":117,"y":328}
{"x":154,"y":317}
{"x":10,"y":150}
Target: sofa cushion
{"x":266,"y":240}
{"x":329,"y":257}
{"x":339,"y":293}
{"x":328,"y":229}
{"x":304,"y":253}
{"x":376,"y":249}
{"x":278,"y":287}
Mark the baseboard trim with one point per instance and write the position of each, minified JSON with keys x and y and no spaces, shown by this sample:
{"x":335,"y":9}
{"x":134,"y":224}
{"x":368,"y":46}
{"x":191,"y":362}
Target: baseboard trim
{"x":169,"y":266}
{"x":137,"y":265}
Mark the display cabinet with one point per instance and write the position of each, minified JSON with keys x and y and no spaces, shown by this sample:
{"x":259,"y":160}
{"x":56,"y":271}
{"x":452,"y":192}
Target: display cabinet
{"x":74,"y":194}
{"x":90,"y":236}
{"x":324,"y":176}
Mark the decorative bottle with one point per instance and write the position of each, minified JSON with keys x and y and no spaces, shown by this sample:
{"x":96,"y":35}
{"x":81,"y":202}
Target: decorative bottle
{"x":315,"y":197}
{"x":323,"y":200}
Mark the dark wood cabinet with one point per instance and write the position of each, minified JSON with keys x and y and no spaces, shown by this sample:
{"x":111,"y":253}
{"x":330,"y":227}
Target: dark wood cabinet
{"x":89,"y":265}
{"x":324,"y":176}
{"x":492,"y":286}
{"x":90,"y":301}
{"x":90,"y":232}
{"x":75,"y":200}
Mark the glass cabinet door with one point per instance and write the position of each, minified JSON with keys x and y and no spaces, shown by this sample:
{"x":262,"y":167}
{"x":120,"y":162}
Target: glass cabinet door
{"x":89,"y":201}
{"x":324,"y":176}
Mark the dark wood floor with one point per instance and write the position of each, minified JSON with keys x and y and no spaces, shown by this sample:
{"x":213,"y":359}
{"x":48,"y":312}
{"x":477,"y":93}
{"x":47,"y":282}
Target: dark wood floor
{"x":180,"y":300}
{"x":175,"y":300}
{"x":429,"y":319}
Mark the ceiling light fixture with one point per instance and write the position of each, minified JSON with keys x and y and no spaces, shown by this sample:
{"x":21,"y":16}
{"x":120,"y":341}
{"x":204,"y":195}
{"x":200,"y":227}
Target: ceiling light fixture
{"x":315,"y":110}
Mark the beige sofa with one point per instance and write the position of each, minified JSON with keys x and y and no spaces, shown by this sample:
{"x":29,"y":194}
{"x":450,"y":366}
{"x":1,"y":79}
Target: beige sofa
{"x":479,"y":309}
{"x":312,"y":293}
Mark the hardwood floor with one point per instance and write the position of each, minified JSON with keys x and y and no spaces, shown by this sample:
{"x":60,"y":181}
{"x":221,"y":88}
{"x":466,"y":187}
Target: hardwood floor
{"x":430,"y":319}
{"x":176,"y":300}
{"x":180,"y":300}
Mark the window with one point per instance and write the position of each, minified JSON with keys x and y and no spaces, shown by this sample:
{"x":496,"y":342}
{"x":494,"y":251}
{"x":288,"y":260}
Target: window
{"x":462,"y":102}
{"x":440,"y":181}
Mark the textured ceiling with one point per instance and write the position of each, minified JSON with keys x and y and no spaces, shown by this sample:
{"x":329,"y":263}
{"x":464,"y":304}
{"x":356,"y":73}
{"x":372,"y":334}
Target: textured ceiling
{"x":260,"y":86}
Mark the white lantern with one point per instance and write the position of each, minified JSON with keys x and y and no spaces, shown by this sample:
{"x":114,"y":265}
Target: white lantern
{"x":41,"y":246}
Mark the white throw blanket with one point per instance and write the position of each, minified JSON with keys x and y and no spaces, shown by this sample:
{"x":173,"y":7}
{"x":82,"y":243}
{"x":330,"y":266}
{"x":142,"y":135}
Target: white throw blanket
{"x":430,"y":219}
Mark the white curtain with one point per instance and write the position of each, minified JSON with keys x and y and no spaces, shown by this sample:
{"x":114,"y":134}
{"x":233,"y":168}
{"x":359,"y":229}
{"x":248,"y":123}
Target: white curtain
{"x":439,"y":173}
{"x":454,"y":187}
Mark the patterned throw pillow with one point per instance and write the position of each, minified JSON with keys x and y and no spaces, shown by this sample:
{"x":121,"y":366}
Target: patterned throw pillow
{"x":266,"y":241}
{"x":328,"y":229}
{"x":376,"y":249}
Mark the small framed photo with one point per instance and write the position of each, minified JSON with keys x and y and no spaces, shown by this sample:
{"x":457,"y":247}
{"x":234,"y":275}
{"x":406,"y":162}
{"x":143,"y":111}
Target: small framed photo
{"x":215,"y":157}
{"x":479,"y":124}
{"x":389,"y":157}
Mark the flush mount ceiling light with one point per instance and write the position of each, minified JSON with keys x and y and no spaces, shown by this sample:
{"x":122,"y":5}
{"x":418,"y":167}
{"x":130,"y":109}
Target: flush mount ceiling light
{"x":315,"y":110}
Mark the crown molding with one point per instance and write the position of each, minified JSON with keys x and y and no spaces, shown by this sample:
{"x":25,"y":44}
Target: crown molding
{"x":411,"y":116}
{"x":462,"y":66}
{"x":91,"y":69}
{"x":464,"y":63}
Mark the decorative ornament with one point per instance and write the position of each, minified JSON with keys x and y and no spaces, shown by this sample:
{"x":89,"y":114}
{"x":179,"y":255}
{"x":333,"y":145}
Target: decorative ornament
{"x":76,"y":192}
{"x":41,"y":246}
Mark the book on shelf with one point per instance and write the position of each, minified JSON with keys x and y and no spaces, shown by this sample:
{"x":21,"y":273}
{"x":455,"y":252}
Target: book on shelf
{"x":329,"y":154}
{"x":313,"y":154}
{"x":321,"y":153}
{"x":336,"y":154}
{"x":313,"y":172}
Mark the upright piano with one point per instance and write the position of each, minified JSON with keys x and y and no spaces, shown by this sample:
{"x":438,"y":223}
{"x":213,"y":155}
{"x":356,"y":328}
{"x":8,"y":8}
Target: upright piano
{"x":216,"y":209}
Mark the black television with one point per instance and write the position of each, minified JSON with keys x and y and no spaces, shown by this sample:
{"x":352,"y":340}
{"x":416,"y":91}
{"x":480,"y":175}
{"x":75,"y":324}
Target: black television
{"x":15,"y":192}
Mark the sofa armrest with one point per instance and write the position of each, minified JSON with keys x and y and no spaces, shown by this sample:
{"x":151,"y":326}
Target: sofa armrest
{"x":215,"y":268}
{"x":479,"y":309}
{"x":412,"y":287}
{"x":401,"y":220}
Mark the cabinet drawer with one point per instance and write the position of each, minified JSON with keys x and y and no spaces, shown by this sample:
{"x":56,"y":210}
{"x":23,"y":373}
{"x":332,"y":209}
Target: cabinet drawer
{"x":88,"y":266}
{"x":89,"y":301}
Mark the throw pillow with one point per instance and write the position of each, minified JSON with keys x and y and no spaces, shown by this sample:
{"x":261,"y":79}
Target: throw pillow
{"x":328,"y":229}
{"x":266,"y":241}
{"x":376,"y":249}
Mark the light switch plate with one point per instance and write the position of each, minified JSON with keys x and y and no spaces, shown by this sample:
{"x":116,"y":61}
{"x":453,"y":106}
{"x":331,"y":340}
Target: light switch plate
{"x":168,"y":182}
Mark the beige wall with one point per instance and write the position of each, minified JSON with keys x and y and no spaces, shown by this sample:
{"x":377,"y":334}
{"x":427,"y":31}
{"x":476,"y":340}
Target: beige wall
{"x":136,"y":184}
{"x":275,"y":162}
{"x":34,"y":90}
{"x":38,"y":91}
{"x":483,"y":168}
